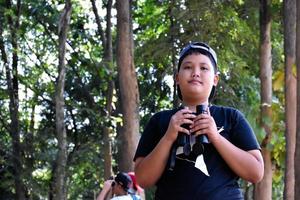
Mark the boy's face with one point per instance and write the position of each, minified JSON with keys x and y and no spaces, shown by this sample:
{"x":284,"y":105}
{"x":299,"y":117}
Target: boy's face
{"x":117,"y":189}
{"x":196,"y":77}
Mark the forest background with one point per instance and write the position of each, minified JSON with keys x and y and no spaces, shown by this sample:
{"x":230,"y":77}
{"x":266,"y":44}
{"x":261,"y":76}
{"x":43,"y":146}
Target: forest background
{"x":80,"y":79}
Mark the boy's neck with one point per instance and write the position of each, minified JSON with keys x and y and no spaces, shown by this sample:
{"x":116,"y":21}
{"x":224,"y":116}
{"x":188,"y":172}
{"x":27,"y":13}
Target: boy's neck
{"x":192,"y":105}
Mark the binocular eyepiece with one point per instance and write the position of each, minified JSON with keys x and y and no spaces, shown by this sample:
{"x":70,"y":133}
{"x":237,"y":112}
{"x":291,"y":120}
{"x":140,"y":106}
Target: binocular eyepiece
{"x":198,"y":147}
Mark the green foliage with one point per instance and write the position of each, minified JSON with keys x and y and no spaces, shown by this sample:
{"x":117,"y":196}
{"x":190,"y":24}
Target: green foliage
{"x":85,"y":174}
{"x":160,"y":30}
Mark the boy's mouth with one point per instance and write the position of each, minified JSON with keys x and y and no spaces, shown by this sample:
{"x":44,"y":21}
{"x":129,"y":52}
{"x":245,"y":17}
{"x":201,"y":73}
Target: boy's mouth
{"x":194,"y":81}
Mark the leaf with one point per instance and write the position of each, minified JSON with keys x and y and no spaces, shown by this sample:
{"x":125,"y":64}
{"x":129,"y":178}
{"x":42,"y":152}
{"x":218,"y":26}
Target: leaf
{"x":278,"y":82}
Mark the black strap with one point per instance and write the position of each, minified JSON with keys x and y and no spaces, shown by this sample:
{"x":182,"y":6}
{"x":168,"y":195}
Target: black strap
{"x":172,"y":157}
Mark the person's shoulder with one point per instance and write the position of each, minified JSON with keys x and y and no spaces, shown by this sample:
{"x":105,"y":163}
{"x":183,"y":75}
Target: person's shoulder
{"x":135,"y":197}
{"x":123,"y":197}
{"x":226,"y":110}
{"x":165,"y":113}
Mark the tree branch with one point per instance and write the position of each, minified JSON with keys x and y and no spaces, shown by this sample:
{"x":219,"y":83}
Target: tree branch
{"x":98,"y":22}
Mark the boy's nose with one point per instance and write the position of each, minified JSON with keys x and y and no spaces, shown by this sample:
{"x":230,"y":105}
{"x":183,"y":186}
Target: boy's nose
{"x":196,"y":73}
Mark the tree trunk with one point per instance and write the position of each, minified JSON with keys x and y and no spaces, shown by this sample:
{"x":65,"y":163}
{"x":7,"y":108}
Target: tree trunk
{"x":28,"y":149}
{"x":263,"y":190}
{"x":129,"y":134}
{"x":297,"y":151}
{"x":290,"y":96}
{"x":13,"y":89}
{"x":106,"y":134}
{"x":108,"y":60}
{"x":61,"y":160}
{"x":173,"y":31}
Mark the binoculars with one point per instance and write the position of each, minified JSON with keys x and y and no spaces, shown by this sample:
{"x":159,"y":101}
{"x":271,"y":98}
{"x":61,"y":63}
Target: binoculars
{"x":183,"y":140}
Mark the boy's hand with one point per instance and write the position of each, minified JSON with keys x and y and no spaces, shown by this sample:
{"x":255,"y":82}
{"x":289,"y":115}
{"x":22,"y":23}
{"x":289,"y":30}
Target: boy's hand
{"x":205,"y":124}
{"x":183,"y":116}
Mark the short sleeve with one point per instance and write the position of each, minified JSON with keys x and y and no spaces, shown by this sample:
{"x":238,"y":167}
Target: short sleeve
{"x":150,"y":137}
{"x":243,"y":135}
{"x":154,"y":131}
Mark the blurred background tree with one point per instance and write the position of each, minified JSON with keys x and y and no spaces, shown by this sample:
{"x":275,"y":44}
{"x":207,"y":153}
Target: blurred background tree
{"x":93,"y":115}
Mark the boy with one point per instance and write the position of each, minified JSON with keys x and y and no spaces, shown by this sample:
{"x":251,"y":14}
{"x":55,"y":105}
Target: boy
{"x":232,"y":151}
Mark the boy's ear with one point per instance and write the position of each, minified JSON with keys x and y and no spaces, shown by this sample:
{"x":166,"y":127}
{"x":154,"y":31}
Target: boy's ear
{"x":216,"y":79}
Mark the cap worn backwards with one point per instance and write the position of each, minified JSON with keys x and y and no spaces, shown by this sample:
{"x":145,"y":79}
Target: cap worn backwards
{"x":124,"y":180}
{"x":201,"y":47}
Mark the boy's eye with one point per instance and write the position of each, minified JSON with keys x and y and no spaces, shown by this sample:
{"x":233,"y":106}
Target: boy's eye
{"x":203,"y":68}
{"x":187,"y":67}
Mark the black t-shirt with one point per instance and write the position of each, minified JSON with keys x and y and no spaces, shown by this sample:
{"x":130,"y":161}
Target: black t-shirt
{"x":186,"y":181}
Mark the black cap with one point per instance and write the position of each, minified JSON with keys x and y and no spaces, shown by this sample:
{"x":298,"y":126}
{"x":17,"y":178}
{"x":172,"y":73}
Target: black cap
{"x":124,"y":180}
{"x":200,"y":47}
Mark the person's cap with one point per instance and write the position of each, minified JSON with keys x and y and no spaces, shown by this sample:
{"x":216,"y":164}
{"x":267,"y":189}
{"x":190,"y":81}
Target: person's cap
{"x":124,"y":180}
{"x":135,"y":185}
{"x":202,"y":48}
